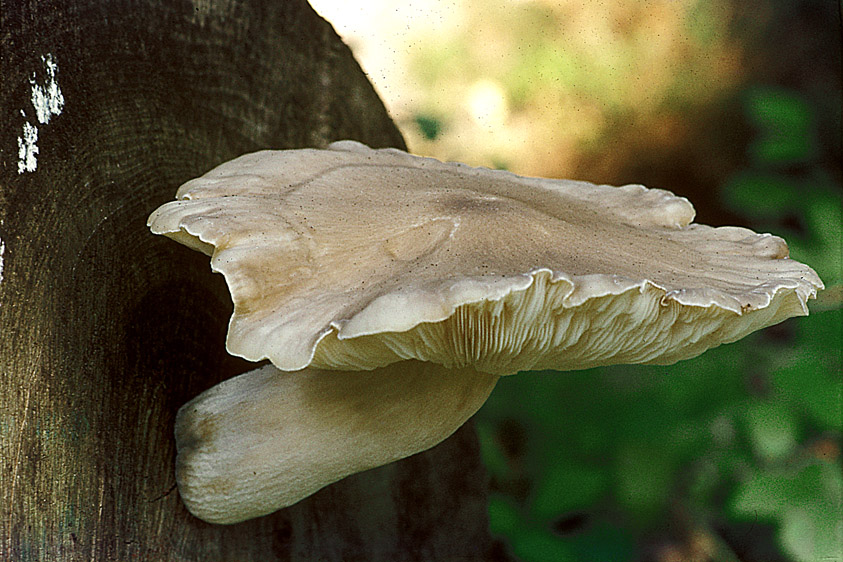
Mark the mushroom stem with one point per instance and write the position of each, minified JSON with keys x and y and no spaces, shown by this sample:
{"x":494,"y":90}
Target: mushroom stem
{"x":268,"y":438}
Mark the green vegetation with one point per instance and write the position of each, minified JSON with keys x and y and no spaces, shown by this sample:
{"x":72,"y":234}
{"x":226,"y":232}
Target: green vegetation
{"x":734,"y":455}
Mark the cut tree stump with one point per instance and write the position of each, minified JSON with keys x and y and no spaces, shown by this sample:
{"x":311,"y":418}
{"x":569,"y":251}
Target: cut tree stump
{"x":106,"y":330}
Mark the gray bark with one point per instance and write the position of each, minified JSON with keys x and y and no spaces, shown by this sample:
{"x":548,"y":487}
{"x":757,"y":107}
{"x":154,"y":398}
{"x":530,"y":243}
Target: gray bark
{"x":105,"y":330}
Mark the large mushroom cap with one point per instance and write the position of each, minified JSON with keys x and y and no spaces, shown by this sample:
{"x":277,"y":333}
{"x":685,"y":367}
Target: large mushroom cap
{"x":354,"y":258}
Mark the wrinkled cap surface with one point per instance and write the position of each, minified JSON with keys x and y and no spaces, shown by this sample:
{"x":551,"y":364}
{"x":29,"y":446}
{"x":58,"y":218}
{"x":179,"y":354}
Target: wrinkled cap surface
{"x":354,"y":258}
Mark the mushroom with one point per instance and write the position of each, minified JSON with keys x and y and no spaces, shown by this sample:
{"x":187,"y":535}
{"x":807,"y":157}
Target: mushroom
{"x":389,"y":292}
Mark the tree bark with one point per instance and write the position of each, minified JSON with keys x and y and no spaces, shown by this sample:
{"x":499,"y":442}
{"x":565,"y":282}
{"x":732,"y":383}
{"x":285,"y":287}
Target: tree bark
{"x":105,"y":330}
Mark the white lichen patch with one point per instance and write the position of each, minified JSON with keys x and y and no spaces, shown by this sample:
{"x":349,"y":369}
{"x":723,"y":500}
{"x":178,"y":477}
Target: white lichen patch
{"x":48,"y":101}
{"x":47,"y":98}
{"x":27,"y":148}
{"x":2,"y":255}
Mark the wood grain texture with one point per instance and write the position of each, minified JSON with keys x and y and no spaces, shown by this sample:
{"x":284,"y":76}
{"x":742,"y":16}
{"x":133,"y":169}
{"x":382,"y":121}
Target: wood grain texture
{"x":105,"y":330}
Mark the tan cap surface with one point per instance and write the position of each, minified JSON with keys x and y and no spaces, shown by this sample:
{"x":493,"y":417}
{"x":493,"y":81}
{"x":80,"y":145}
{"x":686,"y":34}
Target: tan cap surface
{"x":354,"y":258}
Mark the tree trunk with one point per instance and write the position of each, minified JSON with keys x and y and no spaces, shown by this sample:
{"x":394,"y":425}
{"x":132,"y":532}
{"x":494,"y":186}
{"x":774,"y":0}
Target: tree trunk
{"x":105,"y":330}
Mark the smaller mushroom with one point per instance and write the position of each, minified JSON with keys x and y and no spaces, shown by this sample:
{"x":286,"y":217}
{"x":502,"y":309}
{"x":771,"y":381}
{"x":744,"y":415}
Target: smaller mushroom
{"x":390,"y":292}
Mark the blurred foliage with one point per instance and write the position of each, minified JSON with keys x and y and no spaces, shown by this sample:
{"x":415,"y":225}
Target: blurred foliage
{"x":734,"y":455}
{"x":784,"y":190}
{"x":704,"y":460}
{"x":540,"y":86}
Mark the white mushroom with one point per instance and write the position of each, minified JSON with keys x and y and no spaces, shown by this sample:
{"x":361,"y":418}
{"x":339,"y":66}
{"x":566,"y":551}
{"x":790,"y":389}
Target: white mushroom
{"x":399,"y":288}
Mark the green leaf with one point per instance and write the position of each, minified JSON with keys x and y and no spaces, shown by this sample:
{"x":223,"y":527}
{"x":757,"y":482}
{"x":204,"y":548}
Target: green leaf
{"x":765,"y":495}
{"x":809,"y":379}
{"x":770,"y":494}
{"x":823,"y":332}
{"x":779,"y":112}
{"x":810,"y":375}
{"x":824,"y":217}
{"x":536,"y":545}
{"x":429,"y":126}
{"x":772,"y":429}
{"x":783,"y":150}
{"x":567,"y":488}
{"x":813,"y":533}
{"x":504,"y":518}
{"x":761,"y":196}
{"x":806,"y":504}
{"x":645,"y":477}
{"x":785,"y":121}
{"x":602,"y":543}
{"x":490,"y":451}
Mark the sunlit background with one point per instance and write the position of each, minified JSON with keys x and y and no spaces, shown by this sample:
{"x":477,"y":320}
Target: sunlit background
{"x":736,"y":105}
